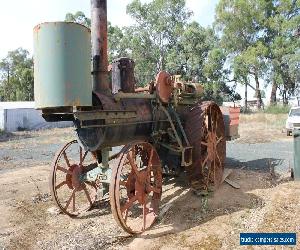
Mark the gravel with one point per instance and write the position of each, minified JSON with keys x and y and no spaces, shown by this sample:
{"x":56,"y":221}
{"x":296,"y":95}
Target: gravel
{"x":261,"y":156}
{"x":28,"y":152}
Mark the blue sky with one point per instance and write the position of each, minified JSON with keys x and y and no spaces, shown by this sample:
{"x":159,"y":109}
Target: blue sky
{"x":18,"y":18}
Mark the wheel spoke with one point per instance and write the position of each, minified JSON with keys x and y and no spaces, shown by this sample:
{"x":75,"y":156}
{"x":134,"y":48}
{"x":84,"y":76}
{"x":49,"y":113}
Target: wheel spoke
{"x":133,"y":165}
{"x":219,"y":159}
{"x":80,"y":155}
{"x":154,"y":189}
{"x":219,"y":140}
{"x":66,"y":159}
{"x":209,"y":169}
{"x":87,"y":195}
{"x":60,"y":185}
{"x":84,"y":155}
{"x":214,"y":169}
{"x":205,"y":161}
{"x":64,"y":170}
{"x":144,"y":216}
{"x":150,"y":159}
{"x":126,"y":215}
{"x":74,"y":208}
{"x":128,"y":204}
{"x":70,"y":199}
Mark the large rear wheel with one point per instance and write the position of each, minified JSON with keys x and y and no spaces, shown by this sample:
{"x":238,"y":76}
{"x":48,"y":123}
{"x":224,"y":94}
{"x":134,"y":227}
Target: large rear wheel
{"x":205,"y":130}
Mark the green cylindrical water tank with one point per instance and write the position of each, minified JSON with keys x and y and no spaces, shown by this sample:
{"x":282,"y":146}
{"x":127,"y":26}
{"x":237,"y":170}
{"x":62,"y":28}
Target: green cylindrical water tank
{"x":62,"y":65}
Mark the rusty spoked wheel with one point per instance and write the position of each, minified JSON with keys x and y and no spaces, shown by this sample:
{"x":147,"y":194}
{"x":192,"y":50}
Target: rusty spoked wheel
{"x":205,"y":130}
{"x":71,"y":190}
{"x":136,"y":187}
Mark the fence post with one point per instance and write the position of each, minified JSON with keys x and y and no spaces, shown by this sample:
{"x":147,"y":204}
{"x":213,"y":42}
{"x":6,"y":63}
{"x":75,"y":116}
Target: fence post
{"x":296,"y":155}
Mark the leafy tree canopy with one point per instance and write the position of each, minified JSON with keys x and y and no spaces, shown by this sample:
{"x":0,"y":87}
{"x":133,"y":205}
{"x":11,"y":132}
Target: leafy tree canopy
{"x":16,"y":76}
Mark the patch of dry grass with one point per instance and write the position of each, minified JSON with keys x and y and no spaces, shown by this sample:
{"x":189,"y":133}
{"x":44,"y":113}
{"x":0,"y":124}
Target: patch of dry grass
{"x":262,"y":127}
{"x":21,"y":139}
{"x":271,"y":120}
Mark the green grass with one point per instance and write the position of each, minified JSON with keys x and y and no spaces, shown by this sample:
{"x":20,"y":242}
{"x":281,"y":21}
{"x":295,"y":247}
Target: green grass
{"x":277,"y":109}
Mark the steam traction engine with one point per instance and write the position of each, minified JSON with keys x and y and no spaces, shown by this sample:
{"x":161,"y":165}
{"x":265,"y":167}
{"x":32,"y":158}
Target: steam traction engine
{"x":163,"y":126}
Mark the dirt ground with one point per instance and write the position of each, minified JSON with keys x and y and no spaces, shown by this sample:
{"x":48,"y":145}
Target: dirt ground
{"x":265,"y":202}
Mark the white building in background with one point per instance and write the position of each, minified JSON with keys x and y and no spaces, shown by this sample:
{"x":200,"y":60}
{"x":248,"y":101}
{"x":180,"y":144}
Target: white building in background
{"x":16,"y":116}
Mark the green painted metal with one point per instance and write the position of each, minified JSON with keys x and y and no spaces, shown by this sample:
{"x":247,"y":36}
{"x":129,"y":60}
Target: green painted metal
{"x":296,"y":134}
{"x":62,"y":65}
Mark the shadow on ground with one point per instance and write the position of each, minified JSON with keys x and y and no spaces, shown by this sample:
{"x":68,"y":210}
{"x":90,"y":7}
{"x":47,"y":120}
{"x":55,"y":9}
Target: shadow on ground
{"x":188,"y":210}
{"x":261,"y":165}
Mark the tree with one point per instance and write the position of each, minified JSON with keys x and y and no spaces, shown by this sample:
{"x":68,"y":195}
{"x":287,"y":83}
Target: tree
{"x":239,"y":21}
{"x":115,"y":34}
{"x":282,"y":25}
{"x":78,"y":17}
{"x":16,"y":76}
{"x":260,"y":37}
{"x":189,"y":55}
{"x":162,"y":39}
{"x":158,"y":26}
{"x":199,"y":58}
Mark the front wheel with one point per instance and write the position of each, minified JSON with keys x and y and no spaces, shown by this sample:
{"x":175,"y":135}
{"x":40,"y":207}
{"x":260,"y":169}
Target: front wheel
{"x":71,"y":191}
{"x":136,"y":187}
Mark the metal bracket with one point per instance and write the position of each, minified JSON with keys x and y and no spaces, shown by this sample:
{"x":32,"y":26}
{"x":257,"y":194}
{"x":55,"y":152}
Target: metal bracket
{"x":180,"y":126}
{"x":172,"y":126}
{"x":186,"y":151}
{"x":187,"y":156}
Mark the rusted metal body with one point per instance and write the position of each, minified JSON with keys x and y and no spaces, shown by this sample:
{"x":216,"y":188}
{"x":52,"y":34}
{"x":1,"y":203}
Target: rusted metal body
{"x":124,"y":123}
{"x":164,"y":126}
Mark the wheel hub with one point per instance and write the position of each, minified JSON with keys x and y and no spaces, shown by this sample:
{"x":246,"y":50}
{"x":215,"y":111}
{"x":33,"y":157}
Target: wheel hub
{"x":74,"y":178}
{"x":141,"y":187}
